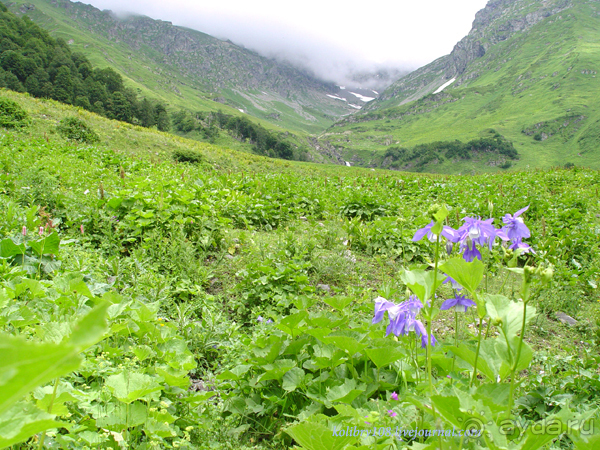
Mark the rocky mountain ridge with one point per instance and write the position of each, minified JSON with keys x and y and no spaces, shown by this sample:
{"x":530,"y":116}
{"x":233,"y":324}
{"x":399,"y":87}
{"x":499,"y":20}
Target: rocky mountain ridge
{"x":190,"y":68}
{"x":497,"y":22}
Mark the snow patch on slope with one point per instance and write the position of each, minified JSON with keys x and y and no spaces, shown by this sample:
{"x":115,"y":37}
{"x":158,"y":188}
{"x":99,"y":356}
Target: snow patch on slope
{"x":336,"y":97}
{"x":362,"y":97}
{"x":444,"y":86}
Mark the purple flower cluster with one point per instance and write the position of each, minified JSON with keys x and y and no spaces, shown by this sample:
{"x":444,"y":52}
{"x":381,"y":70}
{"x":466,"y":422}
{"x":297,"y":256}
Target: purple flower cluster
{"x":402,"y":318}
{"x":260,"y":319}
{"x":481,"y":232}
{"x":515,"y":229}
{"x":459,"y":303}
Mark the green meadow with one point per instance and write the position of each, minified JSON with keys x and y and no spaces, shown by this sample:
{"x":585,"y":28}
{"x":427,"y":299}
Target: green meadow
{"x":158,"y":292}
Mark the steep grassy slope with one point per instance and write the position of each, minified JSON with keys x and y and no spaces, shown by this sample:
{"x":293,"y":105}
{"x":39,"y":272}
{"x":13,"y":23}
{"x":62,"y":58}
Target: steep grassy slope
{"x":536,"y":84}
{"x":190,"y":69}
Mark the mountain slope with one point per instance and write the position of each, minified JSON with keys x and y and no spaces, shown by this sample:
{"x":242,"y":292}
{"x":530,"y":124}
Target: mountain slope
{"x":188,"y":68}
{"x":527,"y":70}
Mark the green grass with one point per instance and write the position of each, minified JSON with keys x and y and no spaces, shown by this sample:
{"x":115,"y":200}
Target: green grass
{"x":181,"y":248}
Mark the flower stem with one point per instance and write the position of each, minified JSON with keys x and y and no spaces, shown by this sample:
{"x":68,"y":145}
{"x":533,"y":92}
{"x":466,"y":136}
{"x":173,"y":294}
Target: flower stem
{"x":428,"y":347}
{"x":516,"y":362}
{"x":477,"y":351}
{"x":43,"y":437}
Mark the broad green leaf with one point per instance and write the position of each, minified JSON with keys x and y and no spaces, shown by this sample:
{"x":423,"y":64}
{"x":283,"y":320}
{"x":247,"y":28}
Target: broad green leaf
{"x":8,"y":248}
{"x":326,"y":357}
{"x":441,"y":215}
{"x":507,"y":313}
{"x":468,"y":356}
{"x":26,"y":365}
{"x":421,"y":282}
{"x":131,"y":386}
{"x":382,"y":356}
{"x":92,"y":438}
{"x":5,"y":297}
{"x":177,"y":354}
{"x":467,"y":274}
{"x":345,"y":393}
{"x":346,"y":343}
{"x":49,"y":245}
{"x":173,"y":376}
{"x":89,"y":330}
{"x":292,"y":379}
{"x":593,"y":443}
{"x":79,"y":287}
{"x":290,"y":324}
{"x":143,"y":352}
{"x":45,"y":397}
{"x":235,"y":373}
{"x":268,"y":353}
{"x":22,"y":421}
{"x":349,"y":411}
{"x":276,"y":370}
{"x":316,"y":436}
{"x":118,"y":416}
{"x":338,"y":302}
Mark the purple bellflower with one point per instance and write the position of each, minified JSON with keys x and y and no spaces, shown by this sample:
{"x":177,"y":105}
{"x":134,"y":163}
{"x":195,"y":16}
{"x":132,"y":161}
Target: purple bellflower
{"x":515,"y":227}
{"x":455,"y":284}
{"x":459,"y":303}
{"x":518,"y":243}
{"x":402,"y":318}
{"x":449,"y":233}
{"x":477,"y":231}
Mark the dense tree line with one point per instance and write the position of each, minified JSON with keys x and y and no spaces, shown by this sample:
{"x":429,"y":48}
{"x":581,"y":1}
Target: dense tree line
{"x":32,"y":61}
{"x":209,"y":124}
{"x":423,"y":154}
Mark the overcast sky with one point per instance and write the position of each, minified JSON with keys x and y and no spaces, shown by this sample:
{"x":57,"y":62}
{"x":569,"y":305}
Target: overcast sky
{"x":329,"y":37}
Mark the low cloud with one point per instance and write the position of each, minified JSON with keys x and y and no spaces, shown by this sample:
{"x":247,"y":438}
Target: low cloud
{"x":333,"y":42}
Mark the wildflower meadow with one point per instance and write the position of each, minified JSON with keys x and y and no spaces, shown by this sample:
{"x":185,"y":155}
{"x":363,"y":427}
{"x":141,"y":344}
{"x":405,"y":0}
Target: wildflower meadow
{"x":246,"y":303}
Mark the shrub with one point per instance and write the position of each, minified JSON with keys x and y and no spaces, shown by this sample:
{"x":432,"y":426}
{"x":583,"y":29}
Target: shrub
{"x":77,"y":130}
{"x":12,"y":115}
{"x":187,"y":155}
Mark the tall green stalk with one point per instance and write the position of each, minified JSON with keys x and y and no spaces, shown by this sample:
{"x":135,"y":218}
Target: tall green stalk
{"x":428,"y":346}
{"x":474,"y":376}
{"x":50,"y":406}
{"x":526,"y":295}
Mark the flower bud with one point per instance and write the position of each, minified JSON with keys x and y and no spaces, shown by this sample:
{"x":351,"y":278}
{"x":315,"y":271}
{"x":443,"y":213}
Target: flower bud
{"x":24,"y":231}
{"x":528,"y":273}
{"x":433,"y":210}
{"x":449,"y":247}
{"x":547,"y":275}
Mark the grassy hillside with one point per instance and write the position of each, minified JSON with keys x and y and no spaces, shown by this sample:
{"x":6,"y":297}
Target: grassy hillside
{"x":538,"y":89}
{"x":227,"y":302}
{"x":190,"y":69}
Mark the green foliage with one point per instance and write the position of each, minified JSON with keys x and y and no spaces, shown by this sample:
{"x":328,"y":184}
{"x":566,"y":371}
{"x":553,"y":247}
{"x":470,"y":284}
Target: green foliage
{"x":363,"y":207}
{"x":187,"y":257}
{"x":263,"y":142}
{"x":423,"y":154}
{"x":77,"y":130}
{"x":187,"y":155}
{"x":12,"y":115}
{"x":32,"y":61}
{"x":270,"y":286}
